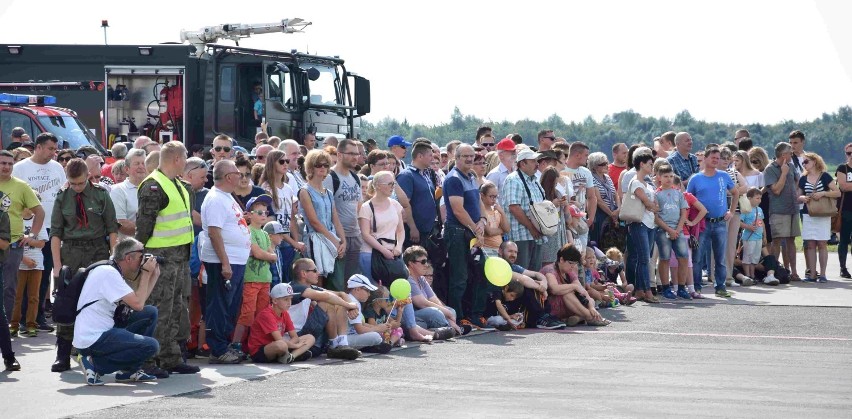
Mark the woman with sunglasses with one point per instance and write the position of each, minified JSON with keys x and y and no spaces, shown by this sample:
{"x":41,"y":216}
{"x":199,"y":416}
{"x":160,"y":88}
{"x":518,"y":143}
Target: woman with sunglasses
{"x":275,"y":181}
{"x":606,"y":196}
{"x":381,"y":224}
{"x":64,"y":156}
{"x":567,"y":296}
{"x":325,"y":243}
{"x":377,"y":161}
{"x":815,"y":184}
{"x":752,"y":176}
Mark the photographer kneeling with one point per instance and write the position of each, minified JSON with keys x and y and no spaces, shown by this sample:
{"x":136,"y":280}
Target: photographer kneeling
{"x":109,"y":337}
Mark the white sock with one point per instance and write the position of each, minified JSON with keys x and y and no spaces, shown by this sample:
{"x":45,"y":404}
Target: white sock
{"x":674,"y":288}
{"x":343,"y":341}
{"x":690,"y":288}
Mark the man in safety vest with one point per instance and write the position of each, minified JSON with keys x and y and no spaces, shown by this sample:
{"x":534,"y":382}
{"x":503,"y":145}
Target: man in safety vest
{"x":164,"y":225}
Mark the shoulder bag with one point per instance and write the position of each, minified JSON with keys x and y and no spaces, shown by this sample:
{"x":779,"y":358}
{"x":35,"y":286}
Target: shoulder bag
{"x":823,"y":207}
{"x":385,"y":270}
{"x":632,"y":209}
{"x":544,"y":215}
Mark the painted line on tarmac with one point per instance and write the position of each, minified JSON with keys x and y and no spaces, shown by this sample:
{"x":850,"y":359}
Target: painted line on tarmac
{"x":709,"y":335}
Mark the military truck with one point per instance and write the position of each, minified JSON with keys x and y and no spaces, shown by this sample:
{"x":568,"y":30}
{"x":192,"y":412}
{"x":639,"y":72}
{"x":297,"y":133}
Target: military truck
{"x":194,"y":90}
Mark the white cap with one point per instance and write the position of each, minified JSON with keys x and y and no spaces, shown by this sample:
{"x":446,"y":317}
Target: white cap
{"x":526,"y":154}
{"x":281,"y":290}
{"x":360,"y":281}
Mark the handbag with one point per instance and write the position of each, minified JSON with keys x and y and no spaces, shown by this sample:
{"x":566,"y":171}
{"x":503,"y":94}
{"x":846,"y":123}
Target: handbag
{"x":823,"y":207}
{"x":632,"y":209}
{"x":544,"y":215}
{"x":745,"y":204}
{"x":836,"y":221}
{"x":385,"y":270}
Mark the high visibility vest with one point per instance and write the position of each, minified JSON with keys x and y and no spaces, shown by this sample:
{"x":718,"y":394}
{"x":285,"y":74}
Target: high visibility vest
{"x":174,"y":223}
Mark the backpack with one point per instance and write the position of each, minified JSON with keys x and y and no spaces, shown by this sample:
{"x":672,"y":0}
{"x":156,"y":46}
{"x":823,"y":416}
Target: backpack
{"x":68,"y":294}
{"x":335,"y":180}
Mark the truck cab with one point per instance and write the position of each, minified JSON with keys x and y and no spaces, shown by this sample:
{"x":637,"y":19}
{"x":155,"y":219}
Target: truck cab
{"x":35,"y":114}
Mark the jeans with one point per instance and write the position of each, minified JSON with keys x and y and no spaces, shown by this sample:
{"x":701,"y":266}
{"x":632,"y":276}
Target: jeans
{"x":534,"y":306}
{"x":845,"y":237}
{"x":223,"y":306}
{"x":362,"y":340}
{"x":5,"y":336}
{"x":366,"y":261}
{"x":457,"y":251}
{"x":665,"y":245}
{"x":409,"y":319}
{"x":352,"y":259}
{"x":713,"y":238}
{"x":529,"y":254}
{"x":286,"y":254}
{"x":125,"y":349}
{"x":10,"y":272}
{"x":432,"y":317}
{"x":641,"y":238}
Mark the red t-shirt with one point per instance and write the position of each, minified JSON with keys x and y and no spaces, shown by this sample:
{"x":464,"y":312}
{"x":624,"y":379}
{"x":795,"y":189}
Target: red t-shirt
{"x":265,"y":323}
{"x":615,"y":173}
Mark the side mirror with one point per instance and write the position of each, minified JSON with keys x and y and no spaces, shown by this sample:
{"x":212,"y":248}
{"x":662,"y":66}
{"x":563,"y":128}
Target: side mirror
{"x":362,"y":95}
{"x":303,"y":89}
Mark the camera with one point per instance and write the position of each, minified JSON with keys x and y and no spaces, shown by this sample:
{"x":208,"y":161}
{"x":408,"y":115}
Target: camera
{"x":160,"y":260}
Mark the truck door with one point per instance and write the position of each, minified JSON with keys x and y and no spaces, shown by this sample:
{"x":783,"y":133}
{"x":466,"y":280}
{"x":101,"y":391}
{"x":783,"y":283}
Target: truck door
{"x":226,"y":109}
{"x":279,"y":104}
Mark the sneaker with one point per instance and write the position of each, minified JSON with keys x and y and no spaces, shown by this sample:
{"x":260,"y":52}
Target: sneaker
{"x":13,"y":331}
{"x":184,"y":368}
{"x":229,"y":357}
{"x":696,"y":295}
{"x":844,"y":273}
{"x":381,"y":348}
{"x":92,"y":378}
{"x":504,"y":327}
{"x":684,"y":294}
{"x":807,"y":272}
{"x":287,"y":358}
{"x":156,"y":371}
{"x":11,"y":363}
{"x":809,"y":279}
{"x":44,"y":327}
{"x":465,"y":328}
{"x":747,"y":282}
{"x":729,"y":282}
{"x":203,"y":351}
{"x":32,"y":332}
{"x":723,"y":293}
{"x":573,"y":321}
{"x":669,"y":294}
{"x":771,"y":280}
{"x":822,"y":279}
{"x":133,"y":377}
{"x":237,"y":348}
{"x":549,"y":322}
{"x":445,"y":333}
{"x":344,"y":352}
{"x":479,"y":323}
{"x":303,"y":357}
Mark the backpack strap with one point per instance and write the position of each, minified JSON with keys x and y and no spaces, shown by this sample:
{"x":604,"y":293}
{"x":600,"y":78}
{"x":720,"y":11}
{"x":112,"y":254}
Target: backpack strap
{"x":335,"y":182}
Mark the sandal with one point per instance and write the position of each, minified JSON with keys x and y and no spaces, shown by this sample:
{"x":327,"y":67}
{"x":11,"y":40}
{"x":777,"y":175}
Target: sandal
{"x":652,"y":300}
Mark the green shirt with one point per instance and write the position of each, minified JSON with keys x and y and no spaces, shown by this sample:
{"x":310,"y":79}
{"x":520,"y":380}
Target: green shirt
{"x":4,"y":228}
{"x":100,"y":214}
{"x":258,"y":270}
{"x":18,"y":195}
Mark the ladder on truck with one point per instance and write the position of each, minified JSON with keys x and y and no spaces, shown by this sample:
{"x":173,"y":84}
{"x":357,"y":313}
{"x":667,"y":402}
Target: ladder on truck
{"x":237,"y":31}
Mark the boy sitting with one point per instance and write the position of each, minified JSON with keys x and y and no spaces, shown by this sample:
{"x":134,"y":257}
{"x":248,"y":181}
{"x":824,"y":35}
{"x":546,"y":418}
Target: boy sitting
{"x":505,"y":310}
{"x":535,"y":290}
{"x":364,"y":335}
{"x":273,"y":337}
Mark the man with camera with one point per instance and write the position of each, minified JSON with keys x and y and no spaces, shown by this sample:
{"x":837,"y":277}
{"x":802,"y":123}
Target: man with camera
{"x":114,"y":326}
{"x":164,"y":225}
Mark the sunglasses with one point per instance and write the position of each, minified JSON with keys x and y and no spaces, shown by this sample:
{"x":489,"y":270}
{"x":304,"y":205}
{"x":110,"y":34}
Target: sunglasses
{"x":551,"y":138}
{"x":488,"y":144}
{"x":603,"y":164}
{"x":849,"y":153}
{"x":259,"y":212}
{"x":422,"y":261}
{"x":65,"y":159}
{"x":321,"y":166}
{"x":220,"y":148}
{"x":245,"y":175}
{"x":283,"y":161}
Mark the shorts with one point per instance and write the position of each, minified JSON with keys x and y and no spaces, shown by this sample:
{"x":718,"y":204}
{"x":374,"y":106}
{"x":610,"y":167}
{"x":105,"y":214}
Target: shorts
{"x":751,"y":251}
{"x":666,"y":245}
{"x":255,"y":298}
{"x":673,"y":258}
{"x":784,"y":226}
{"x":259,"y":357}
{"x":315,"y":324}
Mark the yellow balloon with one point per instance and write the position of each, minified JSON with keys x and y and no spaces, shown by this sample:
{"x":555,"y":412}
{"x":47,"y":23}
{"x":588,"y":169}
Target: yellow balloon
{"x":498,"y":271}
{"x":472,"y":243}
{"x":400,"y":289}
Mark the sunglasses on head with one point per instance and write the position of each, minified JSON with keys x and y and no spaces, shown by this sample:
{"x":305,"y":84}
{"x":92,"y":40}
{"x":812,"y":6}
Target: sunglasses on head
{"x":220,"y":148}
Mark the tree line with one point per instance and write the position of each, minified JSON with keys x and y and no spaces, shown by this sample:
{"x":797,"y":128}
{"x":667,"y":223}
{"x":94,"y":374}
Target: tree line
{"x":826,"y":135}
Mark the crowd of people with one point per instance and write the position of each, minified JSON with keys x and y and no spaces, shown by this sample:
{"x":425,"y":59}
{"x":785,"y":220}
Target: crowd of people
{"x":287,"y":251}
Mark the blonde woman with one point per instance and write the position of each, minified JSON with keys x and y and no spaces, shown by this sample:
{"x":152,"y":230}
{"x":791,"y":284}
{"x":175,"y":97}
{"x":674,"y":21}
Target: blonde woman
{"x":381,"y":224}
{"x":815,"y":184}
{"x":753,"y":177}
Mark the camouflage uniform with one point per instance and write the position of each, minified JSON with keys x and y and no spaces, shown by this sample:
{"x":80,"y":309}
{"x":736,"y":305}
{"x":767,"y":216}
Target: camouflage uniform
{"x":170,"y":294}
{"x":84,"y":242}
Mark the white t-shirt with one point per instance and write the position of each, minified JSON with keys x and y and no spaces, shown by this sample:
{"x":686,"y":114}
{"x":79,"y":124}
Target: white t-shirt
{"x":34,"y":253}
{"x":647,"y":216}
{"x":105,"y":286}
{"x":357,"y":320}
{"x":124,"y":198}
{"x":299,"y":313}
{"x":284,"y":207}
{"x":582,"y":179}
{"x":46,"y":179}
{"x":221,"y":210}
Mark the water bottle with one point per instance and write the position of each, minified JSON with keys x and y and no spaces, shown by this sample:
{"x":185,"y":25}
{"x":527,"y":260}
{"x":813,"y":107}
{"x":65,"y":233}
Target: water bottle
{"x":612,"y":302}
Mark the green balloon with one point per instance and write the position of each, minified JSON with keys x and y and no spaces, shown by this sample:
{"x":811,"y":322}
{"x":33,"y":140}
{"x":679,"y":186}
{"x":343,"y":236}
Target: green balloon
{"x":498,"y":271}
{"x":400,"y":289}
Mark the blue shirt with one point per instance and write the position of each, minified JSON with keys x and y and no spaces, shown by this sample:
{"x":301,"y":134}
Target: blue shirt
{"x":458,"y":184}
{"x":750,"y":218}
{"x":712,"y":192}
{"x":421,"y":197}
{"x":683,"y":167}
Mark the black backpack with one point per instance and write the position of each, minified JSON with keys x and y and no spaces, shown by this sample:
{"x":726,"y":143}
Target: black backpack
{"x":68,"y":295}
{"x":335,"y":180}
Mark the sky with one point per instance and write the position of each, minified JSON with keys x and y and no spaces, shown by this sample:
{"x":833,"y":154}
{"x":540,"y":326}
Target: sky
{"x":724,"y":61}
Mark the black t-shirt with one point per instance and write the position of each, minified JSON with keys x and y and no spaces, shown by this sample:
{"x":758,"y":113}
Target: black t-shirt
{"x":822,"y":185}
{"x":298,"y":289}
{"x":512,"y":307}
{"x":369,"y":313}
{"x":847,"y":171}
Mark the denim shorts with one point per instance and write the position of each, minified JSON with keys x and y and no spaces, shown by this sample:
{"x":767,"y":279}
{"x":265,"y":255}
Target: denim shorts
{"x":666,"y":245}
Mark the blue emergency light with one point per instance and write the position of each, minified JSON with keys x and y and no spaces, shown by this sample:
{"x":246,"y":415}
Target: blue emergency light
{"x":40,"y":100}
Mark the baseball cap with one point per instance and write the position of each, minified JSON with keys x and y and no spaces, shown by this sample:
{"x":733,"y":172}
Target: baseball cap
{"x":281,"y":290}
{"x":443,"y":150}
{"x":526,"y":155}
{"x":506,"y":144}
{"x":264,"y":199}
{"x":273,"y":227}
{"x":398,"y":140}
{"x":360,"y":281}
{"x":575,"y":212}
{"x":240,"y":149}
{"x":547,"y":155}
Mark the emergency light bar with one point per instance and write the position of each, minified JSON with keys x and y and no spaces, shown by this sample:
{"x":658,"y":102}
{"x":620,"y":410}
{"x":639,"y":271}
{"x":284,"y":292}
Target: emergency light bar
{"x":40,"y":100}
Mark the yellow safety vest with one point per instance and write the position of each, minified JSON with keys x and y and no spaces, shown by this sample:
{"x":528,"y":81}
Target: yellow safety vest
{"x":174,"y":223}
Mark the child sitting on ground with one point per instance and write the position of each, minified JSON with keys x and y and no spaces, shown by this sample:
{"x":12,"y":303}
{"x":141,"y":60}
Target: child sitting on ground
{"x":613,"y":269}
{"x":377,"y":311}
{"x":365,"y":336}
{"x":593,"y":284}
{"x":272,"y":337}
{"x":257,"y":275}
{"x":505,"y":308}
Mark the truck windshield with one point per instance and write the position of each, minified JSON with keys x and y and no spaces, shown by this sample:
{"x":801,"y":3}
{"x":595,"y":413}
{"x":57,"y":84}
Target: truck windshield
{"x":325,"y":88}
{"x":71,"y":131}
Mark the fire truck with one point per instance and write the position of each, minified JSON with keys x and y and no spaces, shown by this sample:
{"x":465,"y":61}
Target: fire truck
{"x":194,"y":90}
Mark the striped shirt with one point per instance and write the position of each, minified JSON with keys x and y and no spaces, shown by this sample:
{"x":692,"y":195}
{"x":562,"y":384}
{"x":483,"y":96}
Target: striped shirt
{"x":607,"y":189}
